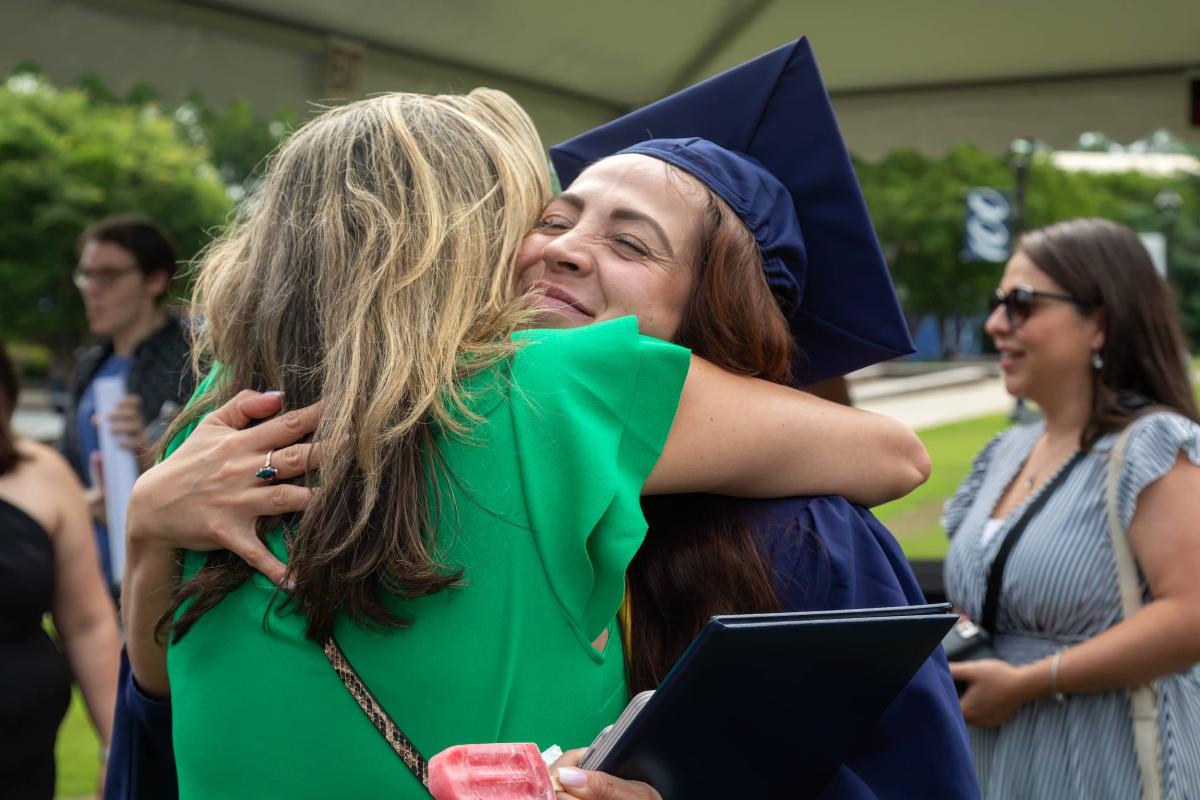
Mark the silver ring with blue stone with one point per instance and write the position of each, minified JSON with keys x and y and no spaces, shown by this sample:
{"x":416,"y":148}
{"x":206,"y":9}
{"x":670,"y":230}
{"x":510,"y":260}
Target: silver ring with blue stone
{"x":267,"y":472}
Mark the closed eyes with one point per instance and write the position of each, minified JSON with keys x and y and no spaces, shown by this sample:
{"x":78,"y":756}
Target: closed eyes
{"x":622,"y":241}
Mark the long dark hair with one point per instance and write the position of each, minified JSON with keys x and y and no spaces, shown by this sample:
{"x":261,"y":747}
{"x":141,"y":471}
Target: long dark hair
{"x":9,"y":454}
{"x":699,"y":557}
{"x":1105,"y":265}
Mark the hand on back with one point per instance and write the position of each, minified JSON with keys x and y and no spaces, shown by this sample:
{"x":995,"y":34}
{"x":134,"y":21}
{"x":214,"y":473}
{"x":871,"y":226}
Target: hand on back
{"x":206,"y":495}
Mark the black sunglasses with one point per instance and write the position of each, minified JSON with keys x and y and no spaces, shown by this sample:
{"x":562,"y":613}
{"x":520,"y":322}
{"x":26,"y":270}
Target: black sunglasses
{"x":1019,"y":303}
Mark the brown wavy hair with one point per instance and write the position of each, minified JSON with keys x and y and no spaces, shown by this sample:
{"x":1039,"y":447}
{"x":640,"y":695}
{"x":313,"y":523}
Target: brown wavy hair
{"x":373,"y":272}
{"x":699,"y":557}
{"x":1104,"y":264}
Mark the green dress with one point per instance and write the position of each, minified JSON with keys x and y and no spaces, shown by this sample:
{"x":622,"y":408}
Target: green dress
{"x":544,"y":519}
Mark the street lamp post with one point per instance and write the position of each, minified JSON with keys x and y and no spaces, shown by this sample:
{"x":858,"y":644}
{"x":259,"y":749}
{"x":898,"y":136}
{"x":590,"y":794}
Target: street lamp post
{"x":1168,"y":204}
{"x":1020,"y":157}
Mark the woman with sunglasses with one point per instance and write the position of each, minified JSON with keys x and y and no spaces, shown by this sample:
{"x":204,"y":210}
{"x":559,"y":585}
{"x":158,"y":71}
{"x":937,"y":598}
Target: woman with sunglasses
{"x":1088,"y":331}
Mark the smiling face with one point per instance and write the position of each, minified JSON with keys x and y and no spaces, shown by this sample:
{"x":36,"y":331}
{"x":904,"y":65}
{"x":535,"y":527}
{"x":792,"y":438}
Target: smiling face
{"x":1050,"y":350}
{"x":622,"y":240}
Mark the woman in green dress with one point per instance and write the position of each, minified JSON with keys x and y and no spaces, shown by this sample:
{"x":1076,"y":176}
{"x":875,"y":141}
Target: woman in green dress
{"x":468,"y":542}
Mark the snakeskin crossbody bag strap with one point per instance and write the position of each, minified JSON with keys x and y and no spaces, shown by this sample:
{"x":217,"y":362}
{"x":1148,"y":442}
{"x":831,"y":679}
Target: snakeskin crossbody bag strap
{"x":401,"y":745}
{"x":1143,"y":700}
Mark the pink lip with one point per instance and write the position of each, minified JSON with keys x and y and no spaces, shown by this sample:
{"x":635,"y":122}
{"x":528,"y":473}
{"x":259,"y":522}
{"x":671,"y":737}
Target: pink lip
{"x":552,"y":292}
{"x":1010,"y":360}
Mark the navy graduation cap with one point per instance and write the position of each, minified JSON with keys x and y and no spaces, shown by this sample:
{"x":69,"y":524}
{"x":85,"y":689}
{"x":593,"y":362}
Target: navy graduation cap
{"x":763,"y":137}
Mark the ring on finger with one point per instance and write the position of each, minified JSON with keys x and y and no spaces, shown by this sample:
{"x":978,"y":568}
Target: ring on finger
{"x":267,"y":472}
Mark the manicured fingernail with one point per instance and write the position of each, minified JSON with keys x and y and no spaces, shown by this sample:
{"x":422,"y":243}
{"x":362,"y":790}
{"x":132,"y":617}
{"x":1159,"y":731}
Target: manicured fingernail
{"x":274,"y":393}
{"x":287,"y":584}
{"x":569,"y":776}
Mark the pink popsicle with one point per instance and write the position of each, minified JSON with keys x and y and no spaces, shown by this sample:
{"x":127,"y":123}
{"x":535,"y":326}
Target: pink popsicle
{"x":490,"y":772}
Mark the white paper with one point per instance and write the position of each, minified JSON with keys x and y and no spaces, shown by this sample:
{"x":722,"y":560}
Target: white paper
{"x":120,"y":468}
{"x":551,"y":754}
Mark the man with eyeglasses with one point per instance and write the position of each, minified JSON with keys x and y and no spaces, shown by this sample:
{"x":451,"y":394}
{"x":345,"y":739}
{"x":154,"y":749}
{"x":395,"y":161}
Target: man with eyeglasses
{"x":125,"y":268}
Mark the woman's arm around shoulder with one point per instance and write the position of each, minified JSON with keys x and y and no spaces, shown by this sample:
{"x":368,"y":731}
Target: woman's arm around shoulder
{"x":750,"y":438}
{"x":83,"y":609}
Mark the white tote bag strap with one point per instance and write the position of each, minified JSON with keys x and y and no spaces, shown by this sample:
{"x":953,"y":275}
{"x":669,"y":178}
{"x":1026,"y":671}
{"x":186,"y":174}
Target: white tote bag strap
{"x":1143,"y":700}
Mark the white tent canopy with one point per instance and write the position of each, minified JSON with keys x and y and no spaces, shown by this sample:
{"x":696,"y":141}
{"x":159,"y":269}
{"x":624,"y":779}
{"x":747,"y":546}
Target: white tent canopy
{"x":925,"y":73}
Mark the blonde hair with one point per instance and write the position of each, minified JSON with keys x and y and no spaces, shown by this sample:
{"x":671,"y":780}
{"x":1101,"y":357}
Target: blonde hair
{"x":373,"y":271}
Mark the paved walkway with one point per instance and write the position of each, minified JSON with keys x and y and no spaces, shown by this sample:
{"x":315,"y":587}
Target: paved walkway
{"x":940,"y":406}
{"x":35,"y":418}
{"x":41,"y":425}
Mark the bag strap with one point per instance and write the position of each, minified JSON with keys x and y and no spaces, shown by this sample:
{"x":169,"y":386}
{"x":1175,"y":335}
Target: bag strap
{"x":383,"y":722}
{"x":991,"y":597}
{"x":1143,"y":700}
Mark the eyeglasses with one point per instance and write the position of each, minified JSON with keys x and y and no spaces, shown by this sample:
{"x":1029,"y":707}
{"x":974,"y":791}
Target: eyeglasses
{"x":103,"y":278}
{"x":1020,"y":302}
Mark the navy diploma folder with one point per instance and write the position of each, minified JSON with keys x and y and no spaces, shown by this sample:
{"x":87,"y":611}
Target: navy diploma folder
{"x":769,"y":705}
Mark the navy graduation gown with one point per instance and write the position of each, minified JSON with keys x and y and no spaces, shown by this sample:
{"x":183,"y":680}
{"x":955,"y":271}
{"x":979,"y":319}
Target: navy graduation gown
{"x":141,"y":758}
{"x":828,"y":554}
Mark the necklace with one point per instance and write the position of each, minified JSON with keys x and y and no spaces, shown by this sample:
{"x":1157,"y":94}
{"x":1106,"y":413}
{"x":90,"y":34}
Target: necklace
{"x":1031,"y":480}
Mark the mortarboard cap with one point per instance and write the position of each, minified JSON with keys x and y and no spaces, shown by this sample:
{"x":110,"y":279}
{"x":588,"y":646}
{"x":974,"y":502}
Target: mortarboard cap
{"x":764,"y":138}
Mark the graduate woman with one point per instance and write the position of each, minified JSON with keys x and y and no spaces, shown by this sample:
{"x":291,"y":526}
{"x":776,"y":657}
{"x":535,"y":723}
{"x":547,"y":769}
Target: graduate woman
{"x":774,"y":156}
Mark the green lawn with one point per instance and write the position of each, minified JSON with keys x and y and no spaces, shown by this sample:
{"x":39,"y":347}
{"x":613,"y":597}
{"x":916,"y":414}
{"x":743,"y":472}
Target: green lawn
{"x":914,"y":518}
{"x":78,"y":752}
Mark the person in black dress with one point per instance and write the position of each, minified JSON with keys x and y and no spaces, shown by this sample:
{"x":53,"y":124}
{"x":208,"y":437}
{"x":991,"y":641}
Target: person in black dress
{"x":48,"y":564}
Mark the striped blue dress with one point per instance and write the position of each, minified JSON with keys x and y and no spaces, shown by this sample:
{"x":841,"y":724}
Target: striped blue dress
{"x":1060,"y":588}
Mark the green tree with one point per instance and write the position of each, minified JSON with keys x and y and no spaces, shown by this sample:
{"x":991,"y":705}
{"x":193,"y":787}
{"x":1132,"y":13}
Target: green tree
{"x":238,"y":139}
{"x":918,"y":207}
{"x":65,"y":161}
{"x":1134,"y":199}
{"x":917,"y":204}
{"x":1181,"y":224}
